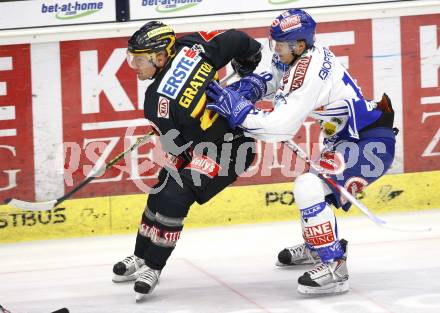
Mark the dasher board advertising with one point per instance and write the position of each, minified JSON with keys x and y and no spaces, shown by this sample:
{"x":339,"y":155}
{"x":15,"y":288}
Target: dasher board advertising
{"x":151,"y":9}
{"x":22,"y":14}
{"x":67,"y":105}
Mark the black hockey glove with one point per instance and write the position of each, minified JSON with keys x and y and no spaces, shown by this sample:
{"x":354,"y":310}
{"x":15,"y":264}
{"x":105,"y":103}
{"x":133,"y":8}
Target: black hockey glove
{"x":245,"y":66}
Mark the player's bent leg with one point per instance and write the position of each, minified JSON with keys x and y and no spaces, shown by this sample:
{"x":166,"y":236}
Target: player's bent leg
{"x":126,"y":269}
{"x":171,"y":206}
{"x":163,"y":233}
{"x":319,"y":228}
{"x":302,"y":254}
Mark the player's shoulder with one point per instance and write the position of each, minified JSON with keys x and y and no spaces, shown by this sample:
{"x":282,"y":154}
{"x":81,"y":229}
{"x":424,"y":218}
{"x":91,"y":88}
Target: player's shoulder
{"x":322,"y":61}
{"x":201,"y":37}
{"x":189,"y":40}
{"x":319,"y":53}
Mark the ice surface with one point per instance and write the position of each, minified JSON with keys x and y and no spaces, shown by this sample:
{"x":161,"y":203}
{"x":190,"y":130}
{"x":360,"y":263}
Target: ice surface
{"x":229,"y":270}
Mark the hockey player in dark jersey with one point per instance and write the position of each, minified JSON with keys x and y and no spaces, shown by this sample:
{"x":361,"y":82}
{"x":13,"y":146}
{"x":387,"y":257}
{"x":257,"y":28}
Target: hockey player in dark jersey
{"x":203,"y":145}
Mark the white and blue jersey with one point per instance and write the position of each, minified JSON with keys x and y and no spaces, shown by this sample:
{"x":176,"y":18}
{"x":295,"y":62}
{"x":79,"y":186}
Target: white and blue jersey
{"x":358,"y":136}
{"x":316,"y":85}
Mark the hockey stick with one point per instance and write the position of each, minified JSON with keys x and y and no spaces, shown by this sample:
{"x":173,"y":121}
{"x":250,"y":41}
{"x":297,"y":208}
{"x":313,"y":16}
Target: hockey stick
{"x":48,"y":205}
{"x":377,"y":220}
{"x":63,"y":310}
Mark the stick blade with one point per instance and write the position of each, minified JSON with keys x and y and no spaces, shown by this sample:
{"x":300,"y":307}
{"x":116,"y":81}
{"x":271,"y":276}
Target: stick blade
{"x":63,"y":310}
{"x":31,"y":206}
{"x":406,"y":229}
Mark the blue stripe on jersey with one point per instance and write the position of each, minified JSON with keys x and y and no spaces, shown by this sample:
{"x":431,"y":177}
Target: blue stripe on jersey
{"x":332,"y":114}
{"x":352,"y":120}
{"x":338,"y":108}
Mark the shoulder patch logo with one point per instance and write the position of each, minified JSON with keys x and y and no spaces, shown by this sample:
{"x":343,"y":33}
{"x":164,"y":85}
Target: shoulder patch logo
{"x":208,"y":36}
{"x":175,"y":78}
{"x":163,"y":108}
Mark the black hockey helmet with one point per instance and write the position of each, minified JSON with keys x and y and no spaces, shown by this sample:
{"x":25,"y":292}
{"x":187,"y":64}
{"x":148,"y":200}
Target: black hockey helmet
{"x":153,"y":37}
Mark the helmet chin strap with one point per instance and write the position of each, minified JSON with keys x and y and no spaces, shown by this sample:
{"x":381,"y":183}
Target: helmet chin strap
{"x":297,"y":56}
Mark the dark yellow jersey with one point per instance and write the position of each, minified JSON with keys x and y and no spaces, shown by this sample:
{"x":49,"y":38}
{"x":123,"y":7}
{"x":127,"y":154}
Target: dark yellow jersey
{"x":177,"y":100}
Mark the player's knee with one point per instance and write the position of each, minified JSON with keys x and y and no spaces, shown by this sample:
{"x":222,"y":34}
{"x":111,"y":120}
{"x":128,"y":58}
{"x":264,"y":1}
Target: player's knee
{"x":308,"y":190}
{"x":168,"y":207}
{"x":173,"y":200}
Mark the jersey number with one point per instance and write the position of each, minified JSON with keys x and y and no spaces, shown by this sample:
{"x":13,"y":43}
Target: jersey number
{"x":348,"y":81}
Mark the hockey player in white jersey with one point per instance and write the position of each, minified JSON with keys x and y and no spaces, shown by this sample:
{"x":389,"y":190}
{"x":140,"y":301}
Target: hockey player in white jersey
{"x":308,"y":80}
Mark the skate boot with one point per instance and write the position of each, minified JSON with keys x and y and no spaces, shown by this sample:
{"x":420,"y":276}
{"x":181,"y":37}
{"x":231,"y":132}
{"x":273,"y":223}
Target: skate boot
{"x":326,"y":278}
{"x":297,"y":255}
{"x":147,"y":279}
{"x":127,"y":268}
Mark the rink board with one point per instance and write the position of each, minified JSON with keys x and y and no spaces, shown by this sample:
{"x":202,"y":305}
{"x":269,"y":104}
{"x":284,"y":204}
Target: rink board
{"x":235,"y":205}
{"x":96,"y":111}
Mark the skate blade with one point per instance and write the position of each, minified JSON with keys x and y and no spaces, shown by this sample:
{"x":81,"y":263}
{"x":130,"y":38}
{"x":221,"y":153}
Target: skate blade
{"x":279,"y":264}
{"x":139,"y":297}
{"x":122,"y":278}
{"x":330,"y":289}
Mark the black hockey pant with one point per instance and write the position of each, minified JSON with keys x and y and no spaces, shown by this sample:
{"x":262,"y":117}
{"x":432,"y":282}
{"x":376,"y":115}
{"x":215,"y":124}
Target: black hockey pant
{"x":162,"y":219}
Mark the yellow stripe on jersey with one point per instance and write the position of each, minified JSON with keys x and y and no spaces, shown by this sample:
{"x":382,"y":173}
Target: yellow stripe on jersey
{"x":201,"y":104}
{"x":207,"y":119}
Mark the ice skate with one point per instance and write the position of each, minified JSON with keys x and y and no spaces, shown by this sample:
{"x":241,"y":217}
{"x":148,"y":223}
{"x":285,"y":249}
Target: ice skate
{"x":126,"y":269}
{"x":297,"y":255}
{"x":326,"y":278}
{"x":146,"y":282}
